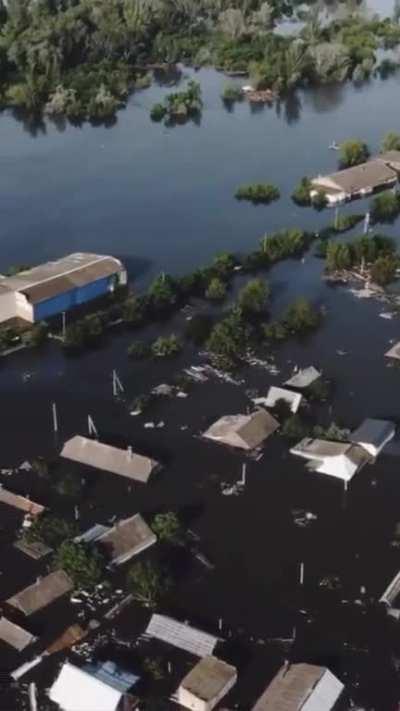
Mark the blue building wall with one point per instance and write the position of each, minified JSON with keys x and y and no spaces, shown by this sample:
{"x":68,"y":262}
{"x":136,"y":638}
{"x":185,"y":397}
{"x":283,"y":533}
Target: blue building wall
{"x":69,"y":299}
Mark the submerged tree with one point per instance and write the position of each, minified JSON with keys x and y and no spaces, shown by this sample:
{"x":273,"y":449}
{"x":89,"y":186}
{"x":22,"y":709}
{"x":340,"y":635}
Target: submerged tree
{"x":353,"y":152}
{"x":147,"y":583}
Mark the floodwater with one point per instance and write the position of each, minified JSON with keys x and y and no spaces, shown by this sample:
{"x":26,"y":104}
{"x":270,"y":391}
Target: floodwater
{"x":162,"y":199}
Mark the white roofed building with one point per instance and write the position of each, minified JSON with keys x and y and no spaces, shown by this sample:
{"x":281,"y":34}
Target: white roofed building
{"x":338,"y":459}
{"x":275,"y":395}
{"x":92,"y":688}
{"x":206,"y":684}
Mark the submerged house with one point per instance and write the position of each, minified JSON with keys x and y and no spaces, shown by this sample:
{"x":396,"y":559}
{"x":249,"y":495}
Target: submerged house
{"x":276,"y":395}
{"x":390,"y":158}
{"x":355,"y":182}
{"x":243,"y":431}
{"x":373,"y":435}
{"x":123,"y":462}
{"x":206,"y":684}
{"x":338,"y":459}
{"x":126,"y":539}
{"x":14,"y":635}
{"x":301,"y":687}
{"x":181,"y":635}
{"x":56,"y":287}
{"x":303,"y":378}
{"x":40,"y":594}
{"x":100,"y":687}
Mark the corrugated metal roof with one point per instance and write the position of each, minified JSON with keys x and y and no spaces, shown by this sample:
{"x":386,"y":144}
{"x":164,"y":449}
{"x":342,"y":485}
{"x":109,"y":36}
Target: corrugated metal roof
{"x":111,"y":459}
{"x":126,"y":539}
{"x":294,"y":686}
{"x":45,"y":591}
{"x":209,"y":678}
{"x":76,"y":689}
{"x":14,"y":635}
{"x":180,"y":635}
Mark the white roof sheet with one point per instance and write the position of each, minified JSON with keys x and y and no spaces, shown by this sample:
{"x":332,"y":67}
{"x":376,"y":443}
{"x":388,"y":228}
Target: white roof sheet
{"x":275,"y":394}
{"x":394,"y":351}
{"x":325,"y":694}
{"x":14,"y":635}
{"x":185,"y":637}
{"x":304,"y":378}
{"x":111,"y":459}
{"x":76,"y":690}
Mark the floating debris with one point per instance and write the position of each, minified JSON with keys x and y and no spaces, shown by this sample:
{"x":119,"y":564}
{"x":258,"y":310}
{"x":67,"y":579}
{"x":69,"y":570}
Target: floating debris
{"x":303,"y":518}
{"x":149,"y":425}
{"x":163,"y":390}
{"x":387,"y":315}
{"x":26,"y":466}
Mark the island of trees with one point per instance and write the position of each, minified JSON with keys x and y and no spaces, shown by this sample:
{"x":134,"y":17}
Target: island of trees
{"x":81,"y":59}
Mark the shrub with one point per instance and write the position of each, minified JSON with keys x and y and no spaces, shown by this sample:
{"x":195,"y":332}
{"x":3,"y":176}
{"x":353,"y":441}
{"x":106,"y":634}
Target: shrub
{"x":216,"y":290}
{"x":353,"y":152}
{"x":147,"y":583}
{"x":383,"y":271}
{"x":138,"y":350}
{"x":252,"y":298}
{"x":166,"y":346}
{"x":258,"y":193}
{"x":158,"y":112}
{"x":232,"y":93}
{"x":385,"y":207}
{"x":51,"y":530}
{"x":84,"y":565}
{"x":319,"y":200}
{"x":391,"y":142}
{"x":301,"y":194}
{"x":167,"y":527}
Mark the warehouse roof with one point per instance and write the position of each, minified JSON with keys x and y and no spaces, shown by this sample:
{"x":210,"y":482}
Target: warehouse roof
{"x":111,"y":459}
{"x":181,"y":635}
{"x":20,"y":502}
{"x":14,"y":635}
{"x":48,"y":280}
{"x":77,"y":690}
{"x":209,"y":678}
{"x":45,"y":591}
{"x":301,"y":686}
{"x":126,"y":539}
{"x":359,"y":177}
{"x":244,"y":431}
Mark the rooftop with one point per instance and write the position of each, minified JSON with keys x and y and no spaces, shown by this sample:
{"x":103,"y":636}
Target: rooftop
{"x":20,"y":502}
{"x":14,"y":635}
{"x":243,"y":431}
{"x":394,"y":352}
{"x":374,"y":432}
{"x":291,"y":398}
{"x":52,"y":278}
{"x":181,"y":635}
{"x":77,"y":690}
{"x":45,"y":591}
{"x":297,"y":684}
{"x":209,"y":678}
{"x":360,"y":177}
{"x":111,"y":459}
{"x":303,"y":378}
{"x":391,"y":157}
{"x":126,"y":539}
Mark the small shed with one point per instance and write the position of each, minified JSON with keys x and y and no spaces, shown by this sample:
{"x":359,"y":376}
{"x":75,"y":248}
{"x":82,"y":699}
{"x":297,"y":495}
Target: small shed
{"x":373,"y":435}
{"x":243,"y":431}
{"x":15,"y":636}
{"x":181,"y":635}
{"x":291,"y":398}
{"x":42,"y":593}
{"x":88,"y":689}
{"x":303,"y":378}
{"x":301,"y":687}
{"x":206,"y":684}
{"x":126,"y":539}
{"x":123,"y":462}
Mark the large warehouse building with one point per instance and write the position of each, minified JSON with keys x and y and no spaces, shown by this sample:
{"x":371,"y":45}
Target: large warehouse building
{"x":55,"y":287}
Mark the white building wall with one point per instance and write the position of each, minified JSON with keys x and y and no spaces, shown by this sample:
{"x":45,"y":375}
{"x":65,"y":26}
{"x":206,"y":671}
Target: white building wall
{"x":8,"y":307}
{"x":24,"y":308}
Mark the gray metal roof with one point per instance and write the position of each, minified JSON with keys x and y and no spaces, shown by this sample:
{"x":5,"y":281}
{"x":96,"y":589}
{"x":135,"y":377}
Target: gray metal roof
{"x":181,"y":635}
{"x":209,"y":678}
{"x":301,"y":687}
{"x":111,"y":459}
{"x":374,"y":432}
{"x":127,"y":538}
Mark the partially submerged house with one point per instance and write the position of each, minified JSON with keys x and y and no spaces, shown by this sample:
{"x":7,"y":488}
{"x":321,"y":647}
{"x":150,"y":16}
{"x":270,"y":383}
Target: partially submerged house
{"x":243,"y":431}
{"x":301,"y":687}
{"x":373,"y":435}
{"x":303,"y":378}
{"x":276,"y":395}
{"x":20,"y":502}
{"x":91,"y":688}
{"x":14,"y":635}
{"x":357,"y":181}
{"x":206,"y":684}
{"x":126,"y":539}
{"x":41,"y":593}
{"x":390,"y":158}
{"x":123,"y":462}
{"x":394,"y":352}
{"x":338,"y":459}
{"x":181,"y":635}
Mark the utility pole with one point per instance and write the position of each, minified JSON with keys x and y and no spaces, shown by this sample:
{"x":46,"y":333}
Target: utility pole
{"x":64,"y":325}
{"x":55,"y":418}
{"x":92,"y":427}
{"x":301,"y":576}
{"x":366,"y":222}
{"x":118,"y":388}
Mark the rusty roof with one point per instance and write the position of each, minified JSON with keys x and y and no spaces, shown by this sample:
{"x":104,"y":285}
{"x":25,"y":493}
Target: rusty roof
{"x":294,"y":685}
{"x":42,"y":593}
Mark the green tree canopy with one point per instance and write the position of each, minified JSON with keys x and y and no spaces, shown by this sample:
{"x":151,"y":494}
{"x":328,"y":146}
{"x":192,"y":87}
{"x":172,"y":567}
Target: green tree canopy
{"x":84,"y":565}
{"x":391,"y":142}
{"x":253,"y":297}
{"x":147,"y":583}
{"x":353,"y":152}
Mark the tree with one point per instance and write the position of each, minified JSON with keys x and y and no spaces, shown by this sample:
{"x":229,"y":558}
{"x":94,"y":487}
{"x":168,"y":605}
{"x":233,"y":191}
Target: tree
{"x":390,"y":142}
{"x":216,"y":290}
{"x":147,"y":583}
{"x":163,"y":293}
{"x":167,"y":527}
{"x":229,"y":340}
{"x":258,"y":193}
{"x":383,"y":271}
{"x":223,"y":265}
{"x":138,"y":350}
{"x":84,"y":565}
{"x":301,"y":194}
{"x":51,"y":530}
{"x":252,"y":298}
{"x":166,"y":346}
{"x":301,"y":316}
{"x":36,"y":336}
{"x":134,"y":310}
{"x":338,"y":256}
{"x":385,"y":207}
{"x":353,"y":152}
